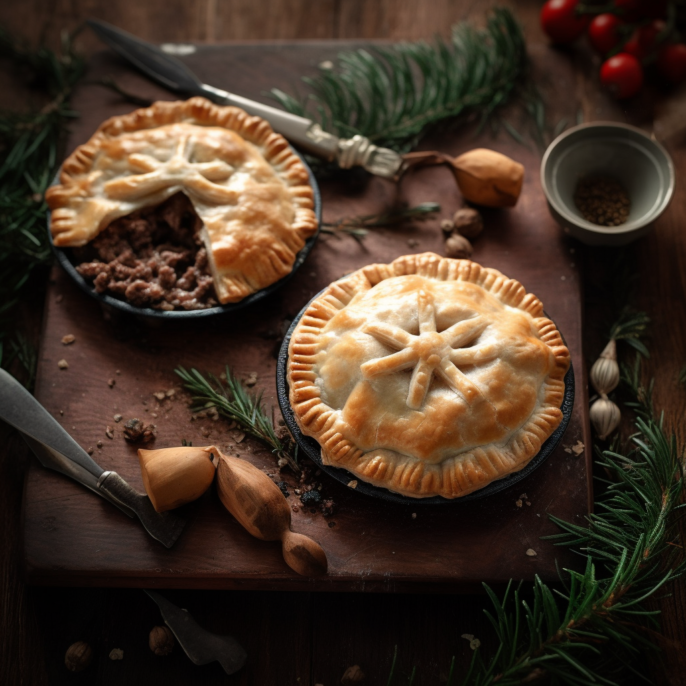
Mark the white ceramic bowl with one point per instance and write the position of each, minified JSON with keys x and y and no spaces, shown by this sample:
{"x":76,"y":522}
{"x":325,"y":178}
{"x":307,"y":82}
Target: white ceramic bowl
{"x":607,"y":149}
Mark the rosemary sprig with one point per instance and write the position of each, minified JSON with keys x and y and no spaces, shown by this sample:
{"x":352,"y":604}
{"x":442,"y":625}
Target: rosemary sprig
{"x":358,"y":227}
{"x":392,"y":94}
{"x":235,"y":403}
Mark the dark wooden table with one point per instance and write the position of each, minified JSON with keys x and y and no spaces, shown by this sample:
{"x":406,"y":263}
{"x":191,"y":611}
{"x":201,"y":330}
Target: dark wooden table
{"x":310,"y":638}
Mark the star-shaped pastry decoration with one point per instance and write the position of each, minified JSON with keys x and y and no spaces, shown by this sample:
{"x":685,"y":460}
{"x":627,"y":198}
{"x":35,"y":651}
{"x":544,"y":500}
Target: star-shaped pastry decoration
{"x":430,"y":352}
{"x":178,"y":170}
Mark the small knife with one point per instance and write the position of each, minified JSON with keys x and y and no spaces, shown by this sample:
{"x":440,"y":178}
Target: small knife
{"x":303,"y":133}
{"x":57,"y":450}
{"x":201,"y":646}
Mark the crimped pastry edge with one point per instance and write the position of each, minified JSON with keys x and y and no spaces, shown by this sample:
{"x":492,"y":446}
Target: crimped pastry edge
{"x":273,"y":147}
{"x":456,"y":476}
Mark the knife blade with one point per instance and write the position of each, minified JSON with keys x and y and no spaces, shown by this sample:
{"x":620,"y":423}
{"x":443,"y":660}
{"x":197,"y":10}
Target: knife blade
{"x":201,"y":646}
{"x":302,"y":132}
{"x":58,"y":451}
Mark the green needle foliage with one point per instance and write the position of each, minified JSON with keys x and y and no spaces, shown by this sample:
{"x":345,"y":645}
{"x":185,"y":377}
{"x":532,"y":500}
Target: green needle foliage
{"x":235,"y":403}
{"x":593,"y":629}
{"x":29,"y":159}
{"x":392,"y":94}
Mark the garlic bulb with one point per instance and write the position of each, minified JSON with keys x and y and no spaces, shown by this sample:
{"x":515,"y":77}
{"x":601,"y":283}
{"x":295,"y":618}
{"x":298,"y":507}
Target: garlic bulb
{"x":605,"y":372}
{"x":605,"y":417}
{"x":175,"y":476}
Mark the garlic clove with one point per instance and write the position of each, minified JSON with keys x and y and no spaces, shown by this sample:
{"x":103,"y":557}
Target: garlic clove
{"x":487,"y":177}
{"x":604,"y":373}
{"x":605,"y":417}
{"x":175,"y":476}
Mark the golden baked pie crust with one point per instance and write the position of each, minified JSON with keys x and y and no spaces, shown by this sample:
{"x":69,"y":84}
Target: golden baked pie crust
{"x":428,"y":376}
{"x":250,"y":189}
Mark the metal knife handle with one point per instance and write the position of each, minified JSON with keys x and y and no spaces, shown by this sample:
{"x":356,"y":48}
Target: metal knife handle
{"x":53,"y":460}
{"x":22,"y":411}
{"x":165,"y":527}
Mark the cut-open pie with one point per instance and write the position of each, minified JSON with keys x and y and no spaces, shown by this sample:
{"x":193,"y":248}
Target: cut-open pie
{"x":248,"y":187}
{"x":428,"y":376}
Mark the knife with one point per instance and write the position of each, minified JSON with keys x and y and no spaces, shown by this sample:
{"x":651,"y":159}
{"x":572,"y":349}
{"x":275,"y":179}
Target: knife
{"x":201,"y":646}
{"x":303,"y":133}
{"x":57,"y":450}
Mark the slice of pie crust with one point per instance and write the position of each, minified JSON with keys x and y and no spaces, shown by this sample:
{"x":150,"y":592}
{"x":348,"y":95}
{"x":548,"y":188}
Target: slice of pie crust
{"x":427,"y":376}
{"x":249,"y":188}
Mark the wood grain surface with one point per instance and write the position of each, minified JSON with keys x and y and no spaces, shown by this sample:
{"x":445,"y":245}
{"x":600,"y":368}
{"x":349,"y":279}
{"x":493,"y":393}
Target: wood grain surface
{"x":303,"y":638}
{"x":71,"y":537}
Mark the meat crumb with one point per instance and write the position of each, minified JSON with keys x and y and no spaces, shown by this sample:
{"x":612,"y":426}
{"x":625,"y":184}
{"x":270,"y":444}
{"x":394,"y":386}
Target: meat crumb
{"x":68,"y":339}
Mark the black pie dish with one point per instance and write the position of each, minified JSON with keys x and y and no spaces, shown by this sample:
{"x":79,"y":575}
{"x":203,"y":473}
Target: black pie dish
{"x":312,"y":449}
{"x":66,"y":258}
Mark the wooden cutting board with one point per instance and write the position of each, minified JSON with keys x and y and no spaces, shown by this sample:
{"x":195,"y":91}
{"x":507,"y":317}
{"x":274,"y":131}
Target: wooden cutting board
{"x":71,"y":537}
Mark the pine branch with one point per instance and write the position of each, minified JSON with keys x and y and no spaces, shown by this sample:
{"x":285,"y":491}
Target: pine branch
{"x":598,"y":626}
{"x":235,"y":403}
{"x":393,"y":94}
{"x":29,"y":159}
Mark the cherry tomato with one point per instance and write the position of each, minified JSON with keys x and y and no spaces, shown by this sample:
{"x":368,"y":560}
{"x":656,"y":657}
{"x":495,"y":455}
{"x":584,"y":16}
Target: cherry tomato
{"x":671,"y":62}
{"x":644,"y":40}
{"x":622,"y":75}
{"x":603,"y":32}
{"x":560,"y":21}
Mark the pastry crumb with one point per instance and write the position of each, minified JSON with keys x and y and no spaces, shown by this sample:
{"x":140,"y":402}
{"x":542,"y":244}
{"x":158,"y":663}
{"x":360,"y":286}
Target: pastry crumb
{"x":117,"y":418}
{"x":99,"y":444}
{"x":117,"y":372}
{"x":160,"y":395}
{"x":90,"y":450}
{"x":352,"y":484}
{"x":578,"y":448}
{"x":68,"y":339}
{"x":171,"y":393}
{"x":251,"y":379}
{"x":531,"y":552}
{"x":116,"y":654}
{"x":109,"y":432}
{"x":414,"y":515}
{"x":111,"y":382}
{"x":63,"y":364}
{"x":519,"y":502}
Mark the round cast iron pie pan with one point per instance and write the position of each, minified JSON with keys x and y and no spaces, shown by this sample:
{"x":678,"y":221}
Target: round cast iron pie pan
{"x":66,"y":259}
{"x":311,"y":448}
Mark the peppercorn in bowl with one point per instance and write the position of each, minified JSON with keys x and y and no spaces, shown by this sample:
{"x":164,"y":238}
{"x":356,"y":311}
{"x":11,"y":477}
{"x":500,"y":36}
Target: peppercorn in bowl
{"x":606,"y":183}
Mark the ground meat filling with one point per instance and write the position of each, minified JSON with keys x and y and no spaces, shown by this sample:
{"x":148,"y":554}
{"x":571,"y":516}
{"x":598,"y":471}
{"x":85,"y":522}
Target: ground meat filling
{"x":152,"y":258}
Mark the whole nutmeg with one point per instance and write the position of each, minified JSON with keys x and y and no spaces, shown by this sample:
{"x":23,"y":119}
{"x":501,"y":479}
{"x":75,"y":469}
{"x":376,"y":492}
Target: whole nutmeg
{"x":78,"y":656}
{"x":447,"y":226}
{"x":458,"y":246}
{"x":468,"y":222}
{"x":353,"y":675}
{"x":161,"y":640}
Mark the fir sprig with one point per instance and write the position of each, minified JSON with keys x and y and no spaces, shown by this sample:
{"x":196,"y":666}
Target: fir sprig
{"x":234,"y":402}
{"x":29,"y":158}
{"x":630,"y":326}
{"x":594,"y":628}
{"x":392,"y":94}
